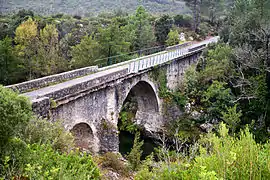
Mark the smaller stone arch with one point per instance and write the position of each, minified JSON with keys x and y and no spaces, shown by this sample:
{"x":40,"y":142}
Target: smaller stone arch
{"x":83,"y":136}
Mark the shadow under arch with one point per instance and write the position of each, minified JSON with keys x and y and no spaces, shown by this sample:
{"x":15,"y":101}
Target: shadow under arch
{"x":83,"y":136}
{"x":145,"y":96}
{"x":141,"y":99}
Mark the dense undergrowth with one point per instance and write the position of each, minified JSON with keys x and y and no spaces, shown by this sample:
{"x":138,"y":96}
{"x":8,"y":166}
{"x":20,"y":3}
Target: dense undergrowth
{"x":218,"y":156}
{"x":34,"y":148}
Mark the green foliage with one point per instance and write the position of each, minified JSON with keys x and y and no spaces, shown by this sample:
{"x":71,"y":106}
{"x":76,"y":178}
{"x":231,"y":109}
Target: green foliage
{"x":134,"y":157}
{"x":162,"y":28}
{"x":191,"y":82}
{"x":48,"y":60}
{"x":173,"y":38}
{"x":213,"y":9}
{"x":85,"y":53}
{"x":26,"y":40}
{"x":221,"y":157}
{"x":204,"y":30}
{"x":45,"y":132}
{"x":15,"y":112}
{"x":113,"y":41}
{"x":183,"y":20}
{"x":232,"y":117}
{"x":113,"y":160}
{"x":37,"y":149}
{"x":159,"y":76}
{"x":177,"y":97}
{"x":53,"y":104}
{"x":127,"y":123}
{"x":216,"y":98}
{"x":184,"y":128}
{"x":45,"y":163}
{"x":217,"y":64}
{"x":9,"y":63}
{"x":141,"y":28}
{"x":40,"y":161}
{"x":85,"y":8}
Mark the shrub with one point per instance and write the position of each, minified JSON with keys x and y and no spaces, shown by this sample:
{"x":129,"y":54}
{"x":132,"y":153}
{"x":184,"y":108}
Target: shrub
{"x":44,"y":132}
{"x":217,"y":98}
{"x":134,"y":157}
{"x":173,"y":38}
{"x":221,"y":157}
{"x":45,"y":163}
{"x":112,"y":160}
{"x":15,"y":112}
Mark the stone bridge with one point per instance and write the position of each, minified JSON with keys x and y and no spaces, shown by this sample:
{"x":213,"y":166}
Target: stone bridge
{"x":89,"y":100}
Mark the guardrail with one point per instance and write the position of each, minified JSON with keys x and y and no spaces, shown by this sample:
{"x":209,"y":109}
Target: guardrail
{"x":171,"y":53}
{"x":183,"y":45}
{"x":137,"y":66}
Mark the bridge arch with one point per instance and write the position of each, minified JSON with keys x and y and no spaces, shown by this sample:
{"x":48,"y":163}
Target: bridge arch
{"x":83,"y":135}
{"x":142,"y":94}
{"x":146,"y":96}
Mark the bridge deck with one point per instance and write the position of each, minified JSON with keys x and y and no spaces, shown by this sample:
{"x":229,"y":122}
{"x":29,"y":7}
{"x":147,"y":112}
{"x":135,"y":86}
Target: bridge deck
{"x":128,"y":65}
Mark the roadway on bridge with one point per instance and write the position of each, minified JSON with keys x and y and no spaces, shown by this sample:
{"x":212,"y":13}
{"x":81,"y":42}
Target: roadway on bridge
{"x":109,"y":70}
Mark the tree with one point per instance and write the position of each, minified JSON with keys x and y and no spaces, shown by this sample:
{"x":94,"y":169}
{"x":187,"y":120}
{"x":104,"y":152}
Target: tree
{"x":250,"y":36}
{"x":134,"y":157}
{"x":195,"y":6}
{"x":9,"y":24}
{"x":15,"y":112}
{"x":213,"y":9}
{"x":112,"y":41}
{"x":173,"y":38}
{"x":85,"y":53}
{"x":9,"y":63}
{"x":162,"y":28}
{"x":143,"y":31}
{"x":232,"y":118}
{"x":26,"y":39}
{"x":183,"y":21}
{"x":49,"y":60}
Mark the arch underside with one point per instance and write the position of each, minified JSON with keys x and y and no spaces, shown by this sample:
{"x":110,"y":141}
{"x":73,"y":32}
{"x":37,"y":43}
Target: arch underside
{"x":147,"y":114}
{"x":145,"y":96}
{"x":83,"y":135}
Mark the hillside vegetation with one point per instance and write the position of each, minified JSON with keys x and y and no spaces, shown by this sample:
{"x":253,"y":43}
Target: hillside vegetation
{"x":93,"y":7}
{"x":223,"y":131}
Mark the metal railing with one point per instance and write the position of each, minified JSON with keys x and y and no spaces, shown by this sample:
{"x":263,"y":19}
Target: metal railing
{"x":173,"y":53}
{"x":107,"y":61}
{"x":142,"y":64}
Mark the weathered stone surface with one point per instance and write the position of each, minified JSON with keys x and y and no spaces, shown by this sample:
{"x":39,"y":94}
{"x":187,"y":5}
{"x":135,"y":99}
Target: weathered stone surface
{"x":48,"y":80}
{"x":41,"y":106}
{"x":207,"y":127}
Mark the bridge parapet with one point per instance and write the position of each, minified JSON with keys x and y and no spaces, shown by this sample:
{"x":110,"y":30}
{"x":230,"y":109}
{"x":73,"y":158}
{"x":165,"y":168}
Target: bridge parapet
{"x":53,"y":79}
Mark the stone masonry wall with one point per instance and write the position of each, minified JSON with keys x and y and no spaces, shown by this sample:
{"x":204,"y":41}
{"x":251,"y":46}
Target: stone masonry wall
{"x":53,"y":79}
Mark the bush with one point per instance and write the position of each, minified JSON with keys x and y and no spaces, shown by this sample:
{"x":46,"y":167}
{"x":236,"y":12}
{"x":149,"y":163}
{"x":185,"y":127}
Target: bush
{"x":221,"y":157}
{"x":134,"y":157}
{"x":45,"y":163}
{"x":44,"y":132}
{"x":112,"y":160}
{"x":15,"y":112}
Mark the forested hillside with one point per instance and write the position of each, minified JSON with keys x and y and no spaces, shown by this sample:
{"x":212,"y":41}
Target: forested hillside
{"x":223,"y":129}
{"x":34,"y":46}
{"x":92,"y":7}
